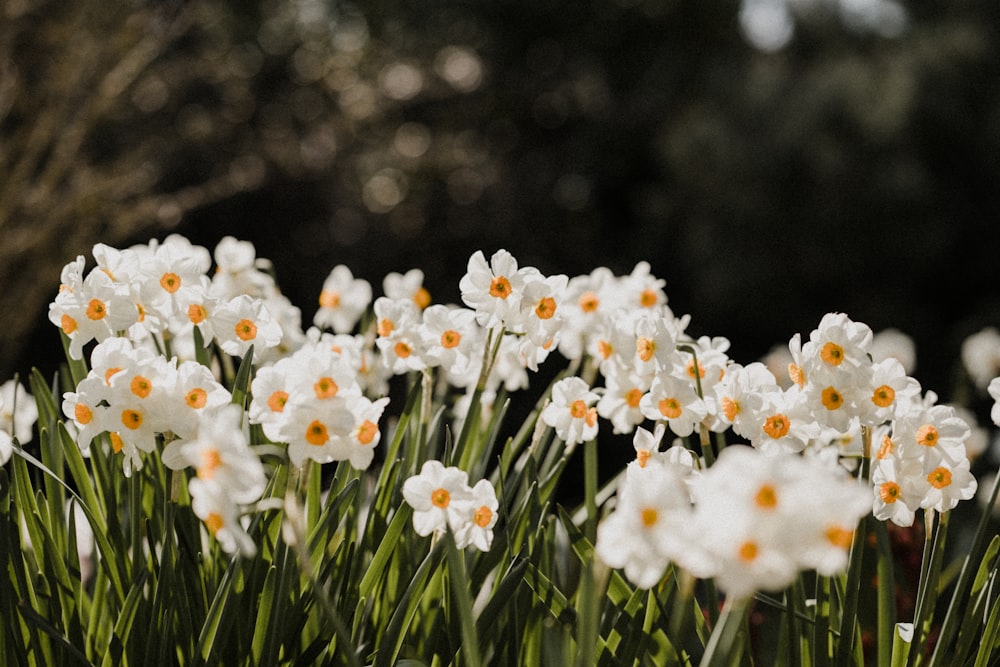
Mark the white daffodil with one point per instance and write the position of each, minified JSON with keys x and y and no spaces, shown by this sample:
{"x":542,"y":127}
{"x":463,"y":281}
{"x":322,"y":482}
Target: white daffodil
{"x":342,"y":300}
{"x":570,"y":412}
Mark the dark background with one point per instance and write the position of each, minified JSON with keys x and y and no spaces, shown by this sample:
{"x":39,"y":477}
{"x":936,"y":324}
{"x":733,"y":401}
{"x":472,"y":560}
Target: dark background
{"x":847,"y":171}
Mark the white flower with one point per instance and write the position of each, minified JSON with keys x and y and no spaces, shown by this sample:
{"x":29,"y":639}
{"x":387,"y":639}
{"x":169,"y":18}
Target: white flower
{"x":18,"y":411}
{"x":493,"y":290}
{"x":220,"y":454}
{"x":242,"y":322}
{"x":439,"y":497}
{"x":570,"y":412}
{"x":649,"y":527}
{"x":981,"y":356}
{"x":409,"y":285}
{"x":342,"y":301}
{"x":675,"y":401}
{"x":481,"y":518}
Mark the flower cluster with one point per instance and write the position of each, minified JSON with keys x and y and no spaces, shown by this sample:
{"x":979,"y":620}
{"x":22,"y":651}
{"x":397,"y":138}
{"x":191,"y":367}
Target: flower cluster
{"x":228,"y":476}
{"x":313,"y":401}
{"x":321,"y":393}
{"x":18,"y":414}
{"x":137,"y":396}
{"x":161,"y":289}
{"x":442,"y":500}
{"x":752,"y":520}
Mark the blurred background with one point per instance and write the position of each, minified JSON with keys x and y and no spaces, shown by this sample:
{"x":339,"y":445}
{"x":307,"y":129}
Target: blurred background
{"x":773,"y":160}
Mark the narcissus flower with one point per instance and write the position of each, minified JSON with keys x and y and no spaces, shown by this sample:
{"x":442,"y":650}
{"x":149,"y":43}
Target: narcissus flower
{"x":442,"y":499}
{"x":570,"y":411}
{"x":482,"y":516}
{"x":18,"y":411}
{"x":649,"y":527}
{"x":439,"y":497}
{"x":674,"y":401}
{"x":242,"y":322}
{"x":342,"y":301}
{"x":493,"y":289}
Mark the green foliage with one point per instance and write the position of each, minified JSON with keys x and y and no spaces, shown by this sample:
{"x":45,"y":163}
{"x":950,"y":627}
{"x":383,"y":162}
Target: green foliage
{"x":341,"y":578}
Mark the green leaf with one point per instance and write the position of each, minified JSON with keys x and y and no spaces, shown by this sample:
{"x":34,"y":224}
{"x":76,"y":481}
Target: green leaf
{"x":458,"y":579}
{"x":406,"y":609}
{"x":241,"y":384}
{"x":990,"y":635}
{"x":390,"y":540}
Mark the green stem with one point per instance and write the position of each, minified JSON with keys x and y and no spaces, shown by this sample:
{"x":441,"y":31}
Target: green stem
{"x":725,"y":646}
{"x":927,"y":589}
{"x":886,"y":596}
{"x":590,"y":488}
{"x":852,"y":590}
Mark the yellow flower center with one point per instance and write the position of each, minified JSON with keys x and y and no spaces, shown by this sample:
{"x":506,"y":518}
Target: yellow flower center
{"x":886,"y":448}
{"x":110,"y":373}
{"x":796,"y":374}
{"x":545,"y":308}
{"x":367,"y":432}
{"x":645,"y":347}
{"x":246,"y":330}
{"x":197,"y":313}
{"x":889,"y":492}
{"x":276,"y":401}
{"x":766,"y":498}
{"x":131,"y":419}
{"x":939,"y":478}
{"x":196,"y":398}
{"x":450,"y":339}
{"x":68,"y":324}
{"x":422,"y":298}
{"x":402,"y":349}
{"x":214,"y":522}
{"x":927,"y":435}
{"x":689,"y":369}
{"x":748,"y":551}
{"x":83,"y":414}
{"x":730,"y":408}
{"x":832,"y":354}
{"x":589,"y":302}
{"x":482,"y":516}
{"x":604,"y":348}
{"x":633,"y":397}
{"x":141,"y":386}
{"x":670,"y":408}
{"x":329,"y":299}
{"x":325,"y":387}
{"x":649,"y":517}
{"x":648,"y":298}
{"x":117,"y":444}
{"x":316,"y":433}
{"x":171,"y":282}
{"x":832,"y":399}
{"x":96,"y":309}
{"x":440,"y":498}
{"x":211,"y":459}
{"x":642,"y":456}
{"x":839,"y":536}
{"x":385,"y":327}
{"x":500,"y":287}
{"x":777,"y":426}
{"x":883,"y":396}
{"x":578,"y":409}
